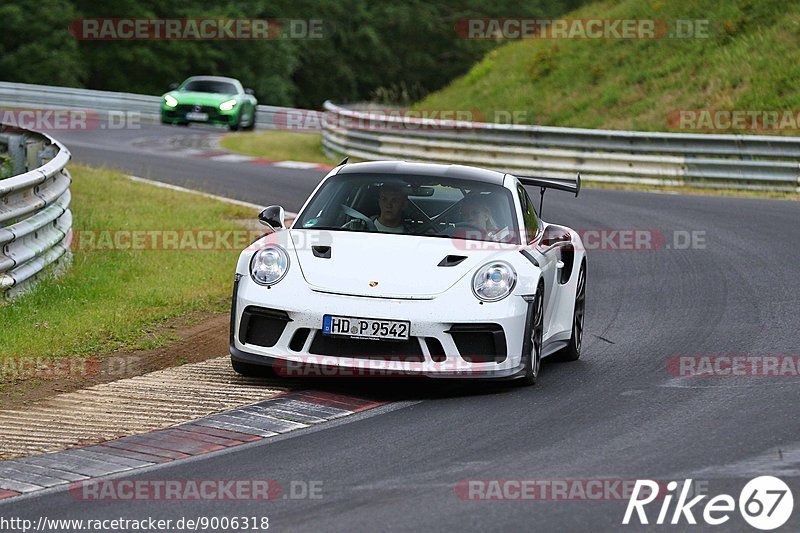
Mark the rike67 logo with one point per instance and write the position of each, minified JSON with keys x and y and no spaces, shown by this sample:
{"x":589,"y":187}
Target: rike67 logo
{"x":765,"y":503}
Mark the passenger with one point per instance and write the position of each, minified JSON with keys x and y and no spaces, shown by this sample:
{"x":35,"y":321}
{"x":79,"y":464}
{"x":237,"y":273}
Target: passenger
{"x":477,"y":214}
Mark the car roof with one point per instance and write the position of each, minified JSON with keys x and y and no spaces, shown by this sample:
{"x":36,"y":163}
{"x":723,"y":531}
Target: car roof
{"x":213,"y":78}
{"x":404,"y":168}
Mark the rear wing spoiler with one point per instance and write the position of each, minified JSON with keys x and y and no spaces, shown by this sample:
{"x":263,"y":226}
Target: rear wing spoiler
{"x":552,"y":183}
{"x":573,"y":186}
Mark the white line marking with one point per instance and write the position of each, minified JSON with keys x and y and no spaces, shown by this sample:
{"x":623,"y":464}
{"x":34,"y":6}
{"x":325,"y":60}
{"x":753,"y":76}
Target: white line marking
{"x":189,"y":152}
{"x":204,"y":194}
{"x":295,"y":164}
{"x":232,"y":158}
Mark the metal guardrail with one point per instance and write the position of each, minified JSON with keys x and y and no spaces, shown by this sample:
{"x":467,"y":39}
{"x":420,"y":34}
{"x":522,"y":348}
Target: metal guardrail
{"x":146,"y":106}
{"x":35,"y":220}
{"x":675,"y":159}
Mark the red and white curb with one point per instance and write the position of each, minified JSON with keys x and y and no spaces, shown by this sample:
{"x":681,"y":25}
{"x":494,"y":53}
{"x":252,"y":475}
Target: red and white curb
{"x":260,"y":421}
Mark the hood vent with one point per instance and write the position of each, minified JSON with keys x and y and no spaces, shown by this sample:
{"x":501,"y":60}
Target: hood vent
{"x":451,"y":260}
{"x":323,"y":252}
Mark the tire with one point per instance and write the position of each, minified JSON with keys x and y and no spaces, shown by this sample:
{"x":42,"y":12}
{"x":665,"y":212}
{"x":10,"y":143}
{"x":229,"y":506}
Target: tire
{"x":533,"y":359}
{"x":236,"y":125}
{"x":251,"y":371}
{"x":572,"y":352}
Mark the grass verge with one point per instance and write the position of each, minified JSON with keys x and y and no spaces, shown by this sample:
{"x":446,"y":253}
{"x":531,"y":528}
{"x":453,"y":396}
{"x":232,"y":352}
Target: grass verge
{"x":279,"y":146}
{"x":117,"y":299}
{"x":746,"y":60}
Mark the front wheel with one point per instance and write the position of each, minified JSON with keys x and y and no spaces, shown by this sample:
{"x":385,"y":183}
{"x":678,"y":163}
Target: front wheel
{"x":572,"y":352}
{"x":533,"y":359}
{"x":252,"y":124}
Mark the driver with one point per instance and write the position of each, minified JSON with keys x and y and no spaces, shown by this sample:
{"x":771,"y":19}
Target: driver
{"x":392,"y":201}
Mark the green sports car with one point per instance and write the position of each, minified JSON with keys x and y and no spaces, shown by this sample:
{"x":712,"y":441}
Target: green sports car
{"x":210,"y":100}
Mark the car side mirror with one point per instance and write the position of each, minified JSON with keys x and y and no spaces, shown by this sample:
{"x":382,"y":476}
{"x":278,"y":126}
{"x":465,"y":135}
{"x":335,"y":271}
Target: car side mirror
{"x":273,"y":216}
{"x":554,"y":235}
{"x":250,"y":92}
{"x":173,"y":86}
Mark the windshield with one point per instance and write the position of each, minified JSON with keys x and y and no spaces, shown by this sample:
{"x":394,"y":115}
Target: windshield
{"x":413,"y":205}
{"x":210,"y":86}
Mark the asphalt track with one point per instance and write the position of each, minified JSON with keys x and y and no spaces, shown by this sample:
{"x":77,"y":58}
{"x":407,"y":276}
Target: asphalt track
{"x":617,"y":414}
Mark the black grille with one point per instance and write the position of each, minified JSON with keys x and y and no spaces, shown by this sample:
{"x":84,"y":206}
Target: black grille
{"x":180,"y":111}
{"x":185,"y":108}
{"x":409,"y":350}
{"x":480,"y":343}
{"x":262,"y":327}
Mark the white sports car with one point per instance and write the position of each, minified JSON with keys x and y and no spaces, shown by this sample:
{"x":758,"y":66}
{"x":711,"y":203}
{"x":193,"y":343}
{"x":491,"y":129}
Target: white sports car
{"x":396,"y":268}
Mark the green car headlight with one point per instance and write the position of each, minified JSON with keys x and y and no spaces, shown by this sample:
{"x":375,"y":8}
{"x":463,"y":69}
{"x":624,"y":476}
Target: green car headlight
{"x":170,"y":101}
{"x":227,"y":106}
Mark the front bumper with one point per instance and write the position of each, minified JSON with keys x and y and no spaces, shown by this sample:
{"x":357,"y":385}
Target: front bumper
{"x":430,"y":319}
{"x":177,"y":115}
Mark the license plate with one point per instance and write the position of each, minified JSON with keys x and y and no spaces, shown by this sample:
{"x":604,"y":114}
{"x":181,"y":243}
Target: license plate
{"x":197,"y":116}
{"x":370,"y":328}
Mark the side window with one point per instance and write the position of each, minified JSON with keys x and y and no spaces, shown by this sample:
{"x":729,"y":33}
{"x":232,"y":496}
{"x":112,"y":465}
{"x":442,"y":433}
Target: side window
{"x":528,"y":213}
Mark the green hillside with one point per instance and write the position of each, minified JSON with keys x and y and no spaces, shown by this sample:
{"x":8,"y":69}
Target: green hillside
{"x":749,"y":61}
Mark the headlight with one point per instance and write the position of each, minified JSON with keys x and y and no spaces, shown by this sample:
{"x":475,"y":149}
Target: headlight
{"x":227,"y":106}
{"x":494,"y":281}
{"x":269,"y":265}
{"x":170,"y":101}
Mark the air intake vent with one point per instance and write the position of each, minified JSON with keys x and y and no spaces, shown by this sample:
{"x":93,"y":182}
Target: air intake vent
{"x":436,"y":350}
{"x":479,"y":343}
{"x":452,"y":260}
{"x":262,"y":327}
{"x":299,"y":339}
{"x":323,"y":252}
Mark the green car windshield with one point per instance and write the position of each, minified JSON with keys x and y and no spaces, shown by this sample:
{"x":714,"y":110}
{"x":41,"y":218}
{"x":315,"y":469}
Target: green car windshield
{"x":209,"y":86}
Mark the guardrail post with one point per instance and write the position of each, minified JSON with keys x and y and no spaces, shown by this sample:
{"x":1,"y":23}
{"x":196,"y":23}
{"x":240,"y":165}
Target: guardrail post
{"x":16,"y":151}
{"x":45,"y":154}
{"x":32,"y":149}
